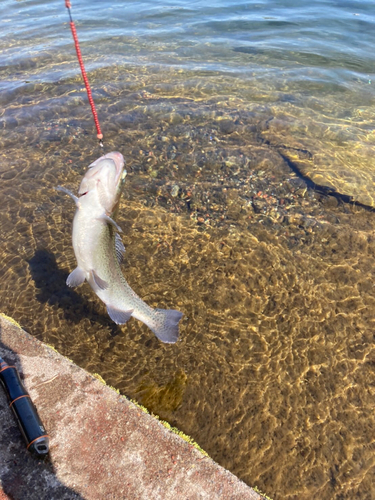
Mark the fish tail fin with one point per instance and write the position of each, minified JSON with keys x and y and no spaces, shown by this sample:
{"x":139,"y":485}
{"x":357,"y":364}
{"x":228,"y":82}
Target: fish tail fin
{"x":165,"y":325}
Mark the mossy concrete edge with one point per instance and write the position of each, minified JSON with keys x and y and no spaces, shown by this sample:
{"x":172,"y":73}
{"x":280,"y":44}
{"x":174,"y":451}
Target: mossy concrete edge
{"x":30,"y":340}
{"x":166,"y":424}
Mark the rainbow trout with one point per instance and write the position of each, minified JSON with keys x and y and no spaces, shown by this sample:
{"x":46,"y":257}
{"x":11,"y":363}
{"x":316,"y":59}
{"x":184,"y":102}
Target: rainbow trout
{"x":99,"y":249}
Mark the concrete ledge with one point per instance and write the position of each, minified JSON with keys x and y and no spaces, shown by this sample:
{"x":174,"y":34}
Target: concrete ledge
{"x":102,"y":445}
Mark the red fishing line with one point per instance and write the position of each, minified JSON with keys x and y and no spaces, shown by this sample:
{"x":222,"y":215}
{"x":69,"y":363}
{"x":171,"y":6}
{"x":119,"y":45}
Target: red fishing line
{"x":84,"y":75}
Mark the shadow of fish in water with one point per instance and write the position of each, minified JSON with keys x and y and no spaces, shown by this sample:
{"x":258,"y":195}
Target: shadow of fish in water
{"x":51,"y":284}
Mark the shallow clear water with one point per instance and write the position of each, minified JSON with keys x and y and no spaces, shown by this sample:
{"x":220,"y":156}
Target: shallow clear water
{"x":248,"y":133}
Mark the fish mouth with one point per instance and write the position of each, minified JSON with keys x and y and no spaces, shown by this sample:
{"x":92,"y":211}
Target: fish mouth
{"x":118,"y":160}
{"x":113,"y":165}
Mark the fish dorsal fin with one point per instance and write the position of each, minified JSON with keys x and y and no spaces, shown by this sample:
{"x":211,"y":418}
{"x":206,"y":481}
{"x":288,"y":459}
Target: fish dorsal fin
{"x":119,"y":247}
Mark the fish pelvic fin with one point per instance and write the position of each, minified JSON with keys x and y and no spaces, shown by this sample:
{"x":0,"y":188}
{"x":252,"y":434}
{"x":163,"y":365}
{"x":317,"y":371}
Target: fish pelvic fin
{"x":165,"y":325}
{"x":69,"y":193}
{"x":102,"y":284}
{"x":76,"y":277}
{"x":119,"y":317}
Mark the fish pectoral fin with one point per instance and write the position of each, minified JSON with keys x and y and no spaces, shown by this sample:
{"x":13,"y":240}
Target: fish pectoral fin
{"x":106,"y":218}
{"x":76,"y":277}
{"x":119,"y":247}
{"x":102,"y":284}
{"x":119,"y":317}
{"x":69,"y":193}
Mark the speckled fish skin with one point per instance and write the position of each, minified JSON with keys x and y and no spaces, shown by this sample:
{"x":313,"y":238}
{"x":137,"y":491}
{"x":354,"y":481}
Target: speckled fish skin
{"x":99,"y":249}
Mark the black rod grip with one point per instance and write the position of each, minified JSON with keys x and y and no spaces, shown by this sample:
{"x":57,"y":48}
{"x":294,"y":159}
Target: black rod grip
{"x":24,"y":410}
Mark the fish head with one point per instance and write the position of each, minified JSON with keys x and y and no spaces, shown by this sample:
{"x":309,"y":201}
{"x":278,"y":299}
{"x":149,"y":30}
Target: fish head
{"x":105,"y":178}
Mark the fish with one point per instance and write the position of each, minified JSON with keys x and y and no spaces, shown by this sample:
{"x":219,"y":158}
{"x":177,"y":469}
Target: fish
{"x":99,"y":249}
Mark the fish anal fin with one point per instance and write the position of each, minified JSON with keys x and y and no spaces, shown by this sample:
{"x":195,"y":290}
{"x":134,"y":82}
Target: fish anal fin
{"x":119,"y":317}
{"x":76,"y":277}
{"x":100,"y":283}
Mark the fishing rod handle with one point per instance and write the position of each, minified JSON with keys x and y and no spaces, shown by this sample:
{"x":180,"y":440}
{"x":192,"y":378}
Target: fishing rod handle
{"x":24,"y":410}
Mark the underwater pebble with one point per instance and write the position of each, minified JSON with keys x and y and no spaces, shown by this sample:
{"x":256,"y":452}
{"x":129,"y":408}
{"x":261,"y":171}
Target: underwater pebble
{"x":175,"y":190}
